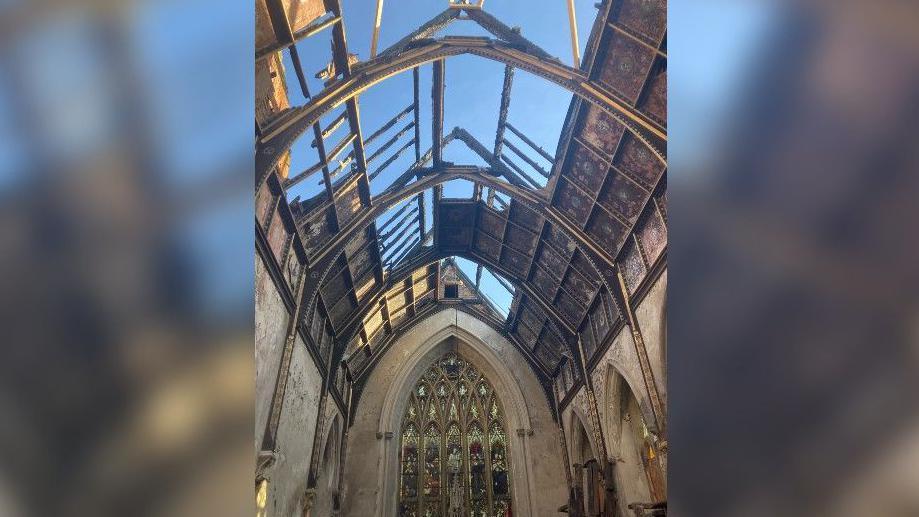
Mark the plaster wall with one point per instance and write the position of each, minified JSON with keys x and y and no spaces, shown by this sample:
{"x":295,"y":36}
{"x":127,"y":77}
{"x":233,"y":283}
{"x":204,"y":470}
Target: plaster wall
{"x":371,"y":463}
{"x":295,"y":434}
{"x":650,"y":315}
{"x":271,"y":319}
{"x":327,"y":475}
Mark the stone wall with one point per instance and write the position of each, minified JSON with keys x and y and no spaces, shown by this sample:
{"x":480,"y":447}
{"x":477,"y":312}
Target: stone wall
{"x":271,"y":318}
{"x":622,"y":399}
{"x":296,"y":429}
{"x":366,"y":465}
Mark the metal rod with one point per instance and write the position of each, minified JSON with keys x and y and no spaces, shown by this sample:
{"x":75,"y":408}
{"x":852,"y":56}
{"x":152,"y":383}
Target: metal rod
{"x":376,"y":29}
{"x":573,"y":24}
{"x":531,"y":143}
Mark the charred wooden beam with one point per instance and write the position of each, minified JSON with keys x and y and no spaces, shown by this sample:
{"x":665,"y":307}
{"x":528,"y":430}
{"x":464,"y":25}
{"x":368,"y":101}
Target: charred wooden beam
{"x":398,"y":226}
{"x":279,"y":21}
{"x":386,"y":145}
{"x":394,"y":217}
{"x":542,"y":152}
{"x":416,"y":241}
{"x":391,"y":159}
{"x":512,"y":36}
{"x":392,"y":122}
{"x":394,"y":251}
{"x":333,"y":126}
{"x":424,"y":31}
{"x":437,"y":112}
{"x":520,"y":172}
{"x":280,"y":136}
{"x":505,"y":104}
{"x":323,"y":160}
{"x":479,"y":149}
{"x":416,"y":106}
{"x":315,"y":27}
{"x":532,"y":163}
{"x":298,"y":69}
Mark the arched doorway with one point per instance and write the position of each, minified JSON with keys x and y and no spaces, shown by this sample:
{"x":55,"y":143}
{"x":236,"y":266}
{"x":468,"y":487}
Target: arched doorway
{"x":454,"y":456}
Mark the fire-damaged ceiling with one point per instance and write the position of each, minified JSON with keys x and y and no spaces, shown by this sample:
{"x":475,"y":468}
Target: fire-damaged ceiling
{"x":568,"y":242}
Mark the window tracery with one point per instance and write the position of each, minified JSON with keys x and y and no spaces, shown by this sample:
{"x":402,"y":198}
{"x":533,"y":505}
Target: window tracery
{"x":459,"y":464}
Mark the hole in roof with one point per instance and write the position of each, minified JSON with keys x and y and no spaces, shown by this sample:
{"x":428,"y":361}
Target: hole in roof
{"x":473,"y":96}
{"x":398,"y":231}
{"x":532,"y":94}
{"x":495,"y":289}
{"x":458,"y":189}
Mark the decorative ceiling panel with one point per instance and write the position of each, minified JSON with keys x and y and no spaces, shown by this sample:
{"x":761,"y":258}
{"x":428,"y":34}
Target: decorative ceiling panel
{"x":626,"y":66}
{"x":487,"y":247}
{"x":655,"y":102}
{"x":572,"y":202}
{"x":646,"y":18}
{"x":587,"y":169}
{"x":601,"y":130}
{"x":623,"y":196}
{"x":636,"y":159}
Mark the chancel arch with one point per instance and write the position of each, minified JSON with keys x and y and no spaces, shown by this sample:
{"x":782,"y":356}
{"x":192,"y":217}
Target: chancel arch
{"x":530,"y":428}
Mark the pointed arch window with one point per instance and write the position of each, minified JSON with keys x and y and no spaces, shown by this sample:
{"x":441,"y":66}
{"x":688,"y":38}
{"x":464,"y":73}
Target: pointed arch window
{"x":454,"y":449}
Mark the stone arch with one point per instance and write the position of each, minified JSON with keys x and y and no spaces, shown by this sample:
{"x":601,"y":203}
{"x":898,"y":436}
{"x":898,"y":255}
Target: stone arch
{"x":629,"y":472}
{"x":616,"y":363}
{"x":533,"y":433}
{"x":579,"y":421}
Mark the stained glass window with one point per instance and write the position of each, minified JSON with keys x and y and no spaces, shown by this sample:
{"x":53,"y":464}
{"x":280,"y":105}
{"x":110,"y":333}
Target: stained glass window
{"x":454,"y":445}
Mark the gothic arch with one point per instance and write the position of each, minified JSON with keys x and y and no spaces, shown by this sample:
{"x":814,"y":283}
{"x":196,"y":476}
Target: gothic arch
{"x":615,"y":366}
{"x":435,"y":342}
{"x":577,"y":422}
